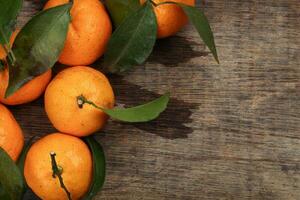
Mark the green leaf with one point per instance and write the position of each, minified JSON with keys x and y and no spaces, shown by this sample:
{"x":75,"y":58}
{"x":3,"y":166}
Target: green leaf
{"x":3,"y":195}
{"x":38,"y":45}
{"x":22,"y":158}
{"x":9,"y":11}
{"x":10,"y":177}
{"x":142,"y":113}
{"x":99,"y":166}
{"x":120,"y":9}
{"x":201,"y":23}
{"x":132,"y":42}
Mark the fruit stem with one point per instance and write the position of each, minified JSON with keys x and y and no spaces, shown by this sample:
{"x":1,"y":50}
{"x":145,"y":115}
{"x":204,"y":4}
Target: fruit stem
{"x":7,"y":48}
{"x":57,"y":171}
{"x":162,"y":3}
{"x":81,"y":100}
{"x":153,"y":3}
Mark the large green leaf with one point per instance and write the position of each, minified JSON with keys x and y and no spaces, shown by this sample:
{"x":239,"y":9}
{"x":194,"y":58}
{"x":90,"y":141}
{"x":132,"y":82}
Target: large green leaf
{"x":11,"y":179}
{"x":132,"y":42}
{"x":3,"y":194}
{"x":142,"y":113}
{"x":9,"y":11}
{"x":120,"y":9}
{"x":201,"y":23}
{"x":38,"y":45}
{"x":99,"y":166}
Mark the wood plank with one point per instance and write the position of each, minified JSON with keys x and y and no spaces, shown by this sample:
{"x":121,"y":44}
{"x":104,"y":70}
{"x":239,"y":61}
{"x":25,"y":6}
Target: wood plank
{"x":232,"y":131}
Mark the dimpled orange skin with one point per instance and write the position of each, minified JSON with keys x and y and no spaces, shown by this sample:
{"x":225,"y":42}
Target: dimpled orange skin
{"x":170,"y":18}
{"x":88,"y":33}
{"x":61,"y":100}
{"x":72,"y":154}
{"x":11,"y":136}
{"x":30,"y":91}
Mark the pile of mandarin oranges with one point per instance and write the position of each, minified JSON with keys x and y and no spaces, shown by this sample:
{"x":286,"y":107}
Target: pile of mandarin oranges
{"x":88,"y":35}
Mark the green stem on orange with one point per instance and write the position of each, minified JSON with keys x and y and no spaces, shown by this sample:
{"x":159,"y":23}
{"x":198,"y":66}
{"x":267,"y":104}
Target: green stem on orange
{"x":81,"y":100}
{"x":7,"y":48}
{"x":57,"y":171}
{"x":9,"y":56}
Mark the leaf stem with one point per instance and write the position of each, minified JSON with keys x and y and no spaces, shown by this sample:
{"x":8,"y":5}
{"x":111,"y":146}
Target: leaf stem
{"x":81,"y":100}
{"x":7,"y":51}
{"x":162,"y":3}
{"x":153,"y":3}
{"x":7,"y":48}
{"x":57,"y":171}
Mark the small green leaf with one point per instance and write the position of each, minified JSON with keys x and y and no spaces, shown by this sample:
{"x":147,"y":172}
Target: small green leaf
{"x":201,"y":23}
{"x":132,"y":42}
{"x":142,"y":113}
{"x":9,"y":11}
{"x":99,"y":166}
{"x":10,"y":177}
{"x":22,"y":158}
{"x":120,"y":9}
{"x":38,"y":45}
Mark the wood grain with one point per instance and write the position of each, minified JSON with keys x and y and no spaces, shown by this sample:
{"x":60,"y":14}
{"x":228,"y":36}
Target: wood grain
{"x":232,"y":131}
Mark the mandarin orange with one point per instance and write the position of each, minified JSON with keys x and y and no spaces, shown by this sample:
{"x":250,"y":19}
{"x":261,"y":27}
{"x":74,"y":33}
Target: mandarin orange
{"x":61,"y":100}
{"x":30,"y":91}
{"x":11,"y":136}
{"x":88,"y":34}
{"x":74,"y":159}
{"x":170,"y":17}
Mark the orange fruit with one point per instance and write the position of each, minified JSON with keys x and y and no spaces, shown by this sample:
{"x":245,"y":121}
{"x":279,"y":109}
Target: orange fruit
{"x":62,"y":106}
{"x":30,"y":91}
{"x":88,"y":34}
{"x":72,"y":156}
{"x":11,"y":136}
{"x":170,"y":17}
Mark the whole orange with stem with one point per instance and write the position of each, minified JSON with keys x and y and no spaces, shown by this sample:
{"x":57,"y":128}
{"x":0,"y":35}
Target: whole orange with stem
{"x":88,"y":34}
{"x":30,"y":91}
{"x":74,"y":160}
{"x":11,"y":136}
{"x":170,"y":17}
{"x":61,"y":100}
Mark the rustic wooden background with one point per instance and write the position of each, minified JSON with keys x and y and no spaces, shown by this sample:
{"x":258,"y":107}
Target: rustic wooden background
{"x":232,"y":131}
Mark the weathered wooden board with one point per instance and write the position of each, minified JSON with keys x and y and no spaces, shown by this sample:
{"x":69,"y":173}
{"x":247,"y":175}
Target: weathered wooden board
{"x":232,"y":131}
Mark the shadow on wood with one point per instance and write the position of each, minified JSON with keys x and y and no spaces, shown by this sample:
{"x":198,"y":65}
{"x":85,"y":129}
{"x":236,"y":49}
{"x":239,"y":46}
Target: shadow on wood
{"x":171,"y":124}
{"x":174,"y":50}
